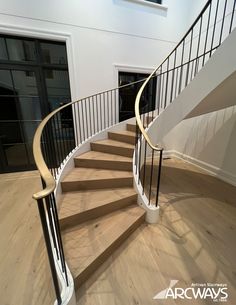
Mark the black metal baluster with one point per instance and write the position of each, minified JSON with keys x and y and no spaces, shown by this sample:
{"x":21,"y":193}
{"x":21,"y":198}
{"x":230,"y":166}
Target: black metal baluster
{"x":151,"y":175}
{"x":208,"y":24}
{"x":62,"y":141}
{"x":176,"y":82}
{"x":79,"y":113}
{"x":89,"y":119}
{"x":162,"y":91}
{"x":58,"y":232}
{"x":190,"y":51}
{"x":97,"y":113}
{"x":104,"y":106}
{"x":42,"y":214}
{"x":173,"y":78}
{"x":85,"y":118}
{"x":57,"y":137}
{"x":100,"y":112}
{"x":191,"y":74}
{"x":82,"y":119}
{"x":93,"y":115}
{"x":198,"y":46}
{"x":232,"y":17}
{"x":51,"y":224}
{"x":54,"y":156}
{"x":136,"y":148}
{"x":144,"y":166}
{"x":74,"y":124}
{"x":64,"y":137}
{"x":159,"y":177}
{"x":139,"y":154}
{"x":112,"y":108}
{"x":167,"y":78}
{"x":181,"y":68}
{"x":223,"y":21}
{"x":47,"y":149}
{"x":159,"y":92}
{"x":214,"y":26}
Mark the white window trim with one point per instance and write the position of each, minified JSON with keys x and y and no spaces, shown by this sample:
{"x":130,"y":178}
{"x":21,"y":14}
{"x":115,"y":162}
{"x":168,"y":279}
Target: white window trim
{"x":128,"y":68}
{"x":151,"y":4}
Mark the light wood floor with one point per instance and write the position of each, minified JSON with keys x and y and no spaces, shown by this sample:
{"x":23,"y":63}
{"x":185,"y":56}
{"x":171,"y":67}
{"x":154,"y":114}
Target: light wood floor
{"x":24,"y":269}
{"x":194,"y":242}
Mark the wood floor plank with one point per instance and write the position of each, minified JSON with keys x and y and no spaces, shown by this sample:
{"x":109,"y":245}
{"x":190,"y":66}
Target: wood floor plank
{"x":25,"y":274}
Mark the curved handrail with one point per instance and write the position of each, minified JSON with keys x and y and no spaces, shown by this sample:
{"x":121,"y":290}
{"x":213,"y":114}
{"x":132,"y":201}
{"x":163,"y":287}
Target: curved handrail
{"x":137,"y":113}
{"x":138,"y":97}
{"x":45,"y":173}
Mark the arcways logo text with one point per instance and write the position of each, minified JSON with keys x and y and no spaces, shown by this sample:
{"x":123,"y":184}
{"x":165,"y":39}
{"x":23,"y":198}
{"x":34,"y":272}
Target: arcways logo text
{"x":217,"y":292}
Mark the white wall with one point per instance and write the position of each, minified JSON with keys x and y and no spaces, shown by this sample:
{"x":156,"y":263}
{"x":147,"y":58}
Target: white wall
{"x":100,"y":34}
{"x":209,"y":140}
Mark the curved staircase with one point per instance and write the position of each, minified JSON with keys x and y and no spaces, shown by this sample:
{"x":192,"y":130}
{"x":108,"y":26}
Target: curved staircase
{"x":99,"y":192}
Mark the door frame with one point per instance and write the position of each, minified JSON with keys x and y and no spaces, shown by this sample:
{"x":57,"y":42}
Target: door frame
{"x":126,"y":68}
{"x":38,"y":33}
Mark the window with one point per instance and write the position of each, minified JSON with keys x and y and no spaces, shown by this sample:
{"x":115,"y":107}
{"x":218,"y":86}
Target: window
{"x":34,"y":80}
{"x":128,"y":94}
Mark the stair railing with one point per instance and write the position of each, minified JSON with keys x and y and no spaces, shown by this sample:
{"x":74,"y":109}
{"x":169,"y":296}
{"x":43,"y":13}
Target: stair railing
{"x":57,"y":137}
{"x":214,"y":23}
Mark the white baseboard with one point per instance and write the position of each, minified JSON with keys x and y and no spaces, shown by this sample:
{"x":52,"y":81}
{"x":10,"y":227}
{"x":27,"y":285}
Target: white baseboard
{"x":211,"y":169}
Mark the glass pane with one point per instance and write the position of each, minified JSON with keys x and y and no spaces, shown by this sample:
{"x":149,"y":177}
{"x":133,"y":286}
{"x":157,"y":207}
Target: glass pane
{"x":8,"y":106}
{"x":29,"y":108}
{"x":15,"y":155}
{"x":24,"y":84}
{"x":29,"y":147}
{"x":3,"y":50}
{"x":58,"y":101}
{"x":58,"y":88}
{"x":10,"y":132}
{"x":29,"y":129}
{"x":53,"y":53}
{"x":21,"y":50}
{"x":6,"y":86}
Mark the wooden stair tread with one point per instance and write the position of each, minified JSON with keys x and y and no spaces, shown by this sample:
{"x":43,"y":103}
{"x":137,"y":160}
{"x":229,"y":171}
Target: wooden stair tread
{"x":115,"y":143}
{"x":131,"y":127}
{"x":82,"y":201}
{"x":87,"y":246}
{"x":123,"y":136}
{"x":103,"y":156}
{"x":124,"y":132}
{"x":88,"y":174}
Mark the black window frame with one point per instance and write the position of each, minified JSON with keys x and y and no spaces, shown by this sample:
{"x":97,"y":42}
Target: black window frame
{"x":28,"y":66}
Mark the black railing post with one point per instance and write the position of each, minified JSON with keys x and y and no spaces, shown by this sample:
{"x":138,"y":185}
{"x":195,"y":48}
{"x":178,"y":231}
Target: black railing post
{"x":223,"y":21}
{"x":49,"y":248}
{"x":232,"y":17}
{"x":181,"y":68}
{"x":173,"y":78}
{"x":150,"y":185}
{"x":214,"y":26}
{"x":208,"y":25}
{"x":159,"y":177}
{"x":190,"y":50}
